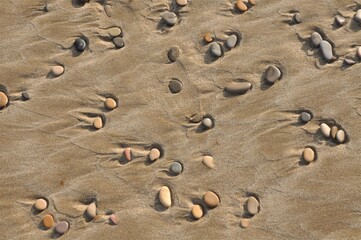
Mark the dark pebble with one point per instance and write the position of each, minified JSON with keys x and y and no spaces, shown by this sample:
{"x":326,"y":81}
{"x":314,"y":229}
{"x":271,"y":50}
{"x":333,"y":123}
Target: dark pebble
{"x":175,"y":86}
{"x":25,"y":96}
{"x":118,"y":42}
{"x":173,"y":53}
{"x":80,"y":44}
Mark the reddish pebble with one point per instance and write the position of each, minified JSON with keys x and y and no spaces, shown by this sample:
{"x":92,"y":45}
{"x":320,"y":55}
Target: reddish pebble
{"x":114,"y":219}
{"x":128,"y":154}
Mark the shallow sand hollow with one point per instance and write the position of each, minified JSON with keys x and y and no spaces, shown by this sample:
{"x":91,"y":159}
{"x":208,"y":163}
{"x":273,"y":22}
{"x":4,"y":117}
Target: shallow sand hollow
{"x":50,"y":149}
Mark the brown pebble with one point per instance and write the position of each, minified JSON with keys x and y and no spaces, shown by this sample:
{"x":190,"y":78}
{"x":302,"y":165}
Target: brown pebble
{"x":114,"y":219}
{"x":48,"y":221}
{"x":308,"y":154}
{"x":98,"y":123}
{"x":208,"y":161}
{"x":173,"y":53}
{"x":3,"y":100}
{"x":211,"y":199}
{"x":154,"y":154}
{"x":175,"y":86}
{"x":128,"y":154}
{"x":245,"y":222}
{"x":182,"y":3}
{"x":197,"y":211}
{"x":334,"y":130}
{"x":165,"y":197}
{"x":110,"y":103}
{"x":40,"y":204}
{"x":252,"y":205}
{"x":241,"y":6}
{"x":341,"y":136}
{"x":208,"y":37}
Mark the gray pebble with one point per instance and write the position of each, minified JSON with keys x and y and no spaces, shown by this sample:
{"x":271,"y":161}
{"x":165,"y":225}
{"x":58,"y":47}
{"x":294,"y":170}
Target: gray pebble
{"x":175,"y":86}
{"x":238,"y":87}
{"x":62,"y":226}
{"x":306,"y":117}
{"x":316,"y":39}
{"x":25,"y":96}
{"x":173,"y":53}
{"x":118,"y":42}
{"x":326,"y":49}
{"x":176,"y":167}
{"x":170,"y":18}
{"x":207,"y":122}
{"x":349,"y":61}
{"x":80,"y":44}
{"x":273,"y":73}
{"x":231,"y":41}
{"x":216,"y":50}
{"x":358,"y":16}
{"x":297,"y":17}
{"x":340,"y":20}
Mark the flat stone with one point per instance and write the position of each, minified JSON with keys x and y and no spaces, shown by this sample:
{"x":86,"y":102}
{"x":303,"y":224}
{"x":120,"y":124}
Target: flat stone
{"x":306,"y":117}
{"x":182,"y":3}
{"x":207,"y":122}
{"x":316,"y":39}
{"x":358,"y":52}
{"x":114,"y":219}
{"x":208,"y":37}
{"x":173,"y":53}
{"x":245,"y":222}
{"x":326,"y":49}
{"x":170,"y":18}
{"x":325,"y":130}
{"x":165,"y":196}
{"x":62,"y":227}
{"x":197,"y":211}
{"x":118,"y":42}
{"x":114,"y":31}
{"x":56,"y":71}
{"x":80,"y":44}
{"x":110,"y":103}
{"x":358,"y":16}
{"x":98,"y":123}
{"x":175,"y":86}
{"x":91,"y":210}
{"x":211,"y":199}
{"x":241,"y":6}
{"x":176,"y":167}
{"x":334,"y":130}
{"x":128,"y":154}
{"x":340,"y":136}
{"x":340,"y":20}
{"x":154,"y":154}
{"x":238,"y":87}
{"x":297,"y":17}
{"x":215,"y":49}
{"x":252,"y":205}
{"x":40,"y":204}
{"x":231,"y":41}
{"x":349,"y":61}
{"x":24,"y":95}
{"x":273,"y":74}
{"x":208,"y":161}
{"x":48,"y":221}
{"x":108,"y":10}
{"x":3,"y":100}
{"x":308,"y":154}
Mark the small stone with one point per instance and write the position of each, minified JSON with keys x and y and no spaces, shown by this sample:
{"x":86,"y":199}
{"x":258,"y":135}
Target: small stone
{"x":306,"y":117}
{"x":48,"y":221}
{"x":326,"y":49}
{"x":61,"y":227}
{"x":216,"y":50}
{"x":118,"y":42}
{"x":80,"y":44}
{"x":208,"y":37}
{"x":325,"y":130}
{"x":349,"y":61}
{"x":182,"y":3}
{"x":3,"y":100}
{"x":40,"y":204}
{"x":207,"y":122}
{"x":128,"y":154}
{"x":334,"y":130}
{"x":208,"y":161}
{"x":238,"y":87}
{"x":197,"y":211}
{"x":91,"y":210}
{"x":108,"y":10}
{"x":211,"y":199}
{"x":308,"y":154}
{"x":25,"y":96}
{"x":154,"y":154}
{"x":98,"y":123}
{"x":297,"y":17}
{"x":56,"y":71}
{"x":252,"y":2}
{"x":358,"y":16}
{"x":170,"y":18}
{"x":316,"y":39}
{"x":340,"y":136}
{"x":114,"y":219}
{"x":110,"y":103}
{"x":252,"y":205}
{"x":241,"y":6}
{"x":340,"y":20}
{"x":114,"y":31}
{"x":358,"y":52}
{"x":175,"y":86}
{"x":176,"y":167}
{"x":244,"y":222}
{"x":173,"y":53}
{"x":273,"y":74}
{"x":165,"y":196}
{"x":231,"y":41}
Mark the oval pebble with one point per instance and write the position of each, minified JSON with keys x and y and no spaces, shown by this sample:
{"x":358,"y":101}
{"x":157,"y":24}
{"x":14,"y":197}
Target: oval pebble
{"x":98,"y":123}
{"x":176,"y":167}
{"x":252,"y":205}
{"x":244,"y":222}
{"x":173,"y":53}
{"x":208,"y":37}
{"x":182,"y":3}
{"x":114,"y":31}
{"x":316,"y":39}
{"x":252,"y":2}
{"x":308,"y":154}
{"x":57,"y":70}
{"x":170,"y":18}
{"x":340,"y":20}
{"x":349,"y":61}
{"x":175,"y":86}
{"x":197,"y":211}
{"x":48,"y":221}
{"x":91,"y":210}
{"x":297,"y":17}
{"x":326,"y":49}
{"x":165,"y":196}
{"x":341,"y":136}
{"x":306,"y":117}
{"x":108,"y":10}
{"x":3,"y":99}
{"x":118,"y":42}
{"x":241,"y":6}
{"x":231,"y":41}
{"x":215,"y":49}
{"x":358,"y":16}
{"x":325,"y":130}
{"x":358,"y":52}
{"x":113,"y":218}
{"x":128,"y":154}
{"x":211,"y":199}
{"x":24,"y":95}
{"x":273,"y":74}
{"x":333,"y":133}
{"x":207,"y":122}
{"x":208,"y":161}
{"x":154,"y":154}
{"x":40,"y":204}
{"x":80,"y":44}
{"x":238,"y":87}
{"x":61,"y":227}
{"x":110,"y":103}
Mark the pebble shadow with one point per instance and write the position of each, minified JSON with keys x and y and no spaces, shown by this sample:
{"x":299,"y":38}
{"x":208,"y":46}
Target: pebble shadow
{"x":158,"y":206}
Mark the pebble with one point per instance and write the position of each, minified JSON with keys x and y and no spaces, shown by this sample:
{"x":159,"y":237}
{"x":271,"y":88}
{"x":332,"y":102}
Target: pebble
{"x":252,"y":205}
{"x":91,"y":210}
{"x":182,"y":3}
{"x":128,"y":154}
{"x":197,"y":211}
{"x":114,"y":31}
{"x":238,"y":87}
{"x":170,"y":18}
{"x":325,"y":130}
{"x":62,"y":226}
{"x":80,"y":44}
{"x":316,"y":39}
{"x":358,"y":16}
{"x":252,"y":2}
{"x":114,"y":219}
{"x":40,"y":204}
{"x":175,"y":86}
{"x":57,"y":70}
{"x":326,"y":49}
{"x":208,"y":37}
{"x":118,"y":42}
{"x":48,"y":221}
{"x":207,"y":122}
{"x":231,"y":41}
{"x":340,"y":20}
{"x":154,"y":154}
{"x":211,"y":199}
{"x":98,"y":123}
{"x":308,"y":154}
{"x":216,"y":50}
{"x":244,"y":222}
{"x":108,"y":10}
{"x":341,"y":136}
{"x":273,"y":73}
{"x":349,"y":61}
{"x":3,"y":100}
{"x":25,"y":96}
{"x":208,"y":161}
{"x":173,"y":53}
{"x":334,"y":130}
{"x":241,"y":6}
{"x":110,"y":103}
{"x":358,"y":52}
{"x":176,"y":167}
{"x":165,"y":196}
{"x":297,"y":17}
{"x":306,"y":117}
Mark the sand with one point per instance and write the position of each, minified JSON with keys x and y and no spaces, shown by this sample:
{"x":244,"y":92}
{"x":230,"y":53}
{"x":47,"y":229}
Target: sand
{"x":49,"y":148}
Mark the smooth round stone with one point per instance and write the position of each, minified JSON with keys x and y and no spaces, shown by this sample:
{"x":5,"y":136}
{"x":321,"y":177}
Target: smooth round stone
{"x":252,"y":205}
{"x":173,"y":53}
{"x":128,"y":154}
{"x":154,"y":154}
{"x":349,"y":61}
{"x":306,"y":117}
{"x":308,"y":154}
{"x":165,"y":196}
{"x":340,"y":136}
{"x":208,"y":37}
{"x":108,"y":10}
{"x":241,"y":6}
{"x":170,"y":18}
{"x":208,"y":161}
{"x":340,"y":20}
{"x":273,"y":73}
{"x":175,"y":86}
{"x":98,"y":123}
{"x":57,"y":70}
{"x":40,"y":204}
{"x":118,"y":42}
{"x":110,"y":103}
{"x":62,"y":227}
{"x":25,"y":96}
{"x":48,"y":221}
{"x":334,"y":130}
{"x":114,"y":219}
{"x":3,"y":99}
{"x":197,"y":211}
{"x":358,"y":52}
{"x":176,"y":167}
{"x":91,"y":210}
{"x":358,"y":16}
{"x":316,"y":39}
{"x":326,"y":49}
{"x":297,"y":17}
{"x":207,"y":122}
{"x":114,"y":31}
{"x":211,"y":199}
{"x":245,"y":222}
{"x":80,"y":44}
{"x":231,"y":41}
{"x":182,"y":3}
{"x":325,"y":130}
{"x":238,"y":87}
{"x":216,"y":50}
